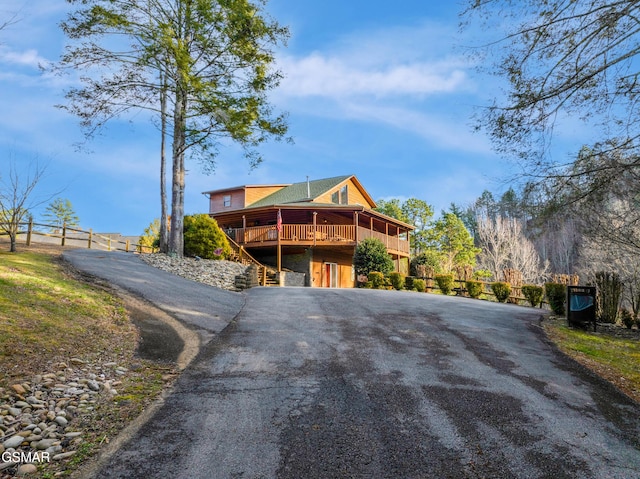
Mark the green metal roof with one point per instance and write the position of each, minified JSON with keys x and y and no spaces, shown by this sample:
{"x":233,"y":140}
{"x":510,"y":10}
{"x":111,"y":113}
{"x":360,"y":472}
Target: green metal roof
{"x":298,"y":193}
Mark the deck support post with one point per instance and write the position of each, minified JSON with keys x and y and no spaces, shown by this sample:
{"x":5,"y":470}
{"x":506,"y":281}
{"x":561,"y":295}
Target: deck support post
{"x":278,"y":229}
{"x":355,"y":225}
{"x":315,"y":215}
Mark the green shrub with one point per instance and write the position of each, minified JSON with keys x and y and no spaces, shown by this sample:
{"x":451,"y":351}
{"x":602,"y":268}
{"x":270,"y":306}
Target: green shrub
{"x":556,"y":296}
{"x":474,"y":288}
{"x":627,"y":318}
{"x":444,"y":282}
{"x":371,"y":255}
{"x":501,"y":290}
{"x":396,"y":280}
{"x":376,"y":279}
{"x":204,"y":238}
{"x":408,"y":283}
{"x":533,"y":294}
{"x":419,"y":285}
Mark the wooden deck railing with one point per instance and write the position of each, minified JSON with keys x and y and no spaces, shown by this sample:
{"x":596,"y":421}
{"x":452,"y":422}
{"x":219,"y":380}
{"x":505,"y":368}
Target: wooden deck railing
{"x":301,"y":233}
{"x":322,"y":234}
{"x":391,"y":242}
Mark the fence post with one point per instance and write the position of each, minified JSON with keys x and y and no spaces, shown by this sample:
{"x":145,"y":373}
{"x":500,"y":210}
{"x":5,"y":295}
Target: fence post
{"x":109,"y":244}
{"x":126,"y":247}
{"x":29,"y":230}
{"x":64,"y":232}
{"x":90,"y":238}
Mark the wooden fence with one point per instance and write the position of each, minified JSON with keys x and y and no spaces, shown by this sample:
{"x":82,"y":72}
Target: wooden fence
{"x":67,"y":236}
{"x":511,"y":276}
{"x":461,"y":290}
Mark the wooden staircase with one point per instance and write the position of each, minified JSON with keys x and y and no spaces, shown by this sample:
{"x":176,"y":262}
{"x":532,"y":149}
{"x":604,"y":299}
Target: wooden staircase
{"x":271,"y":278}
{"x":266,"y":276}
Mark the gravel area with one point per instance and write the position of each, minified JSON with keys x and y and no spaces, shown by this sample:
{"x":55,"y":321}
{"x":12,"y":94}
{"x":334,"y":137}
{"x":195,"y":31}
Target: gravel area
{"x":218,"y":273}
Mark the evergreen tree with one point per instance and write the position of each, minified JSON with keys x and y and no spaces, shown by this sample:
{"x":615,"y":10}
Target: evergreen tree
{"x":450,"y":237}
{"x":59,"y":213}
{"x":203,"y":66}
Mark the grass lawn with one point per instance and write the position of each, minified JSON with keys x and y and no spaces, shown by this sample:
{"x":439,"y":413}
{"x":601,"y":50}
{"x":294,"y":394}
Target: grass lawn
{"x":45,"y":313}
{"x":48,"y":315}
{"x":614,"y":355}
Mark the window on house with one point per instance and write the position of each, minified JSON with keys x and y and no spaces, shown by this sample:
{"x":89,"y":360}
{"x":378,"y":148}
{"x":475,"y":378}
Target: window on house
{"x":341,"y":197}
{"x":344,"y":196}
{"x":226,"y":201}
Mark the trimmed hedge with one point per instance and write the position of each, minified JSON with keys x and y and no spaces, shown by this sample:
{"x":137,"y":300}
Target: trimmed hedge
{"x":533,"y":294}
{"x":556,"y":296}
{"x":409,"y":283}
{"x":474,"y":288}
{"x":371,"y":256}
{"x":376,"y":279}
{"x":204,"y":238}
{"x":419,"y":285}
{"x":445,"y":282}
{"x":501,"y":290}
{"x":397,"y":280}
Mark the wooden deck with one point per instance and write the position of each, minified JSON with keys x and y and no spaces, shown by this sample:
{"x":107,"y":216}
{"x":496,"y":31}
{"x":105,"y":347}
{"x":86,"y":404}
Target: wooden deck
{"x":318,"y":235}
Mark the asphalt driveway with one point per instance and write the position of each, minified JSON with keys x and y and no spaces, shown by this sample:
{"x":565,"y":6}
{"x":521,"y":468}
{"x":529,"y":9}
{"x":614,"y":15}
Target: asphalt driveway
{"x":205,"y":309}
{"x":311,"y":383}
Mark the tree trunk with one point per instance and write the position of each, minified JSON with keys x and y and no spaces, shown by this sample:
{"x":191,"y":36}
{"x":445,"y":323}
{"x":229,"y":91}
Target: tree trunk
{"x":164,"y":241}
{"x":176,"y":240}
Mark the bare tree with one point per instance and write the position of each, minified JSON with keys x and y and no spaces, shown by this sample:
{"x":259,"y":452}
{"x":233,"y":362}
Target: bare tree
{"x":623,"y":261}
{"x":504,"y":245}
{"x":562,"y":57}
{"x":16,"y":200}
{"x":5,"y":23}
{"x":570,"y":59}
{"x":494,"y":239}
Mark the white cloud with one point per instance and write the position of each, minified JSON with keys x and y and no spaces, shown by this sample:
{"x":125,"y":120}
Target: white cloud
{"x":317,"y":75}
{"x":29,"y":58}
{"x":406,"y":77}
{"x":409,"y":60}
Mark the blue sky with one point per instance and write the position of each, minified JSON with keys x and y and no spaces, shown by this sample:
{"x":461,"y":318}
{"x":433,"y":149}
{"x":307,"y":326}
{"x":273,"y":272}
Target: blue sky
{"x":373,"y":88}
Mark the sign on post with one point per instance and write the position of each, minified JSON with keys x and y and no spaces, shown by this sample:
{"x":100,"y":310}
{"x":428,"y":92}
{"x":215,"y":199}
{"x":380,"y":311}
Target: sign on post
{"x":581,"y":305}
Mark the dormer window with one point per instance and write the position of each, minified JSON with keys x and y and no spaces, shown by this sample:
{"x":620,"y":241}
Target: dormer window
{"x":226,"y":201}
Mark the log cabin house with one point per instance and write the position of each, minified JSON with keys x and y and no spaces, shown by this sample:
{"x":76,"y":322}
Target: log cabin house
{"x":312,"y":227}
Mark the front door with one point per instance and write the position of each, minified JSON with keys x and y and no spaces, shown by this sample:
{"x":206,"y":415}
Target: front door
{"x":330,"y":275}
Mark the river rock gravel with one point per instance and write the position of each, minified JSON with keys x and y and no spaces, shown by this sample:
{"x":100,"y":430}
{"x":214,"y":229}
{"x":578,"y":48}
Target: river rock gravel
{"x":218,"y":273}
{"x":41,"y":420}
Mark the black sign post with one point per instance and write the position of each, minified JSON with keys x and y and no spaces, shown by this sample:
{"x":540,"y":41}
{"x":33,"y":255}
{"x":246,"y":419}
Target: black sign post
{"x":581,"y":305}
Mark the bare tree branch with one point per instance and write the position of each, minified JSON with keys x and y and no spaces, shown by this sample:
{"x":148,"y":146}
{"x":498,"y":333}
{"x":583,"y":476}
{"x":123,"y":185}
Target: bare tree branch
{"x":16,"y":198}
